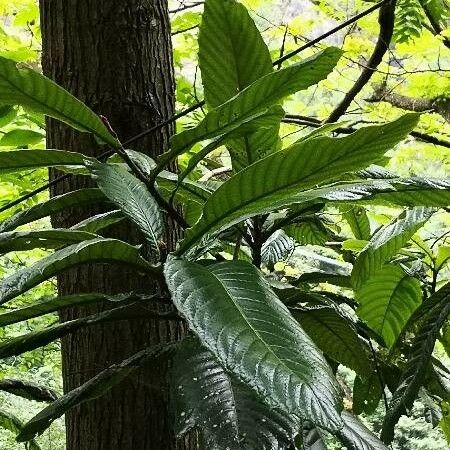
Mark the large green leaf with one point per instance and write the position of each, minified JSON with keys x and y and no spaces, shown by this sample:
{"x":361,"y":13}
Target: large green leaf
{"x":81,"y":197}
{"x":53,"y":238}
{"x":21,"y":137}
{"x":17,"y":160}
{"x":356,"y":436}
{"x":49,"y":305}
{"x":226,"y":412}
{"x":232,"y":55}
{"x":99,"y":221}
{"x":387,"y":300}
{"x":9,"y":421}
{"x":241,"y":321}
{"x":386,"y":242}
{"x":418,"y":362}
{"x":357,"y":219}
{"x":367,"y":393}
{"x":132,"y":197}
{"x":335,"y":335}
{"x":20,"y":85}
{"x":96,"y":250}
{"x":271,"y":182}
{"x":28,"y":390}
{"x":35,"y":339}
{"x":256,"y":100}
{"x":92,"y":389}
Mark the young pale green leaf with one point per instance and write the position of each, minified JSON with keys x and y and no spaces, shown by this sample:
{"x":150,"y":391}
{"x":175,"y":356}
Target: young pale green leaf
{"x":355,"y":436}
{"x":356,"y":217}
{"x":28,"y":390}
{"x":386,"y":242}
{"x":256,"y":99}
{"x":132,"y":197}
{"x":49,"y":305}
{"x":18,"y":160}
{"x":7,"y":114}
{"x":335,"y":335}
{"x":387,"y":300}
{"x":20,"y":85}
{"x":95,"y":250}
{"x":53,"y":238}
{"x":226,"y":412}
{"x":418,"y":362}
{"x":92,"y":389}
{"x":99,"y":222}
{"x":21,"y":137}
{"x":272,"y":182}
{"x":241,"y":321}
{"x":81,"y":197}
{"x":10,"y":422}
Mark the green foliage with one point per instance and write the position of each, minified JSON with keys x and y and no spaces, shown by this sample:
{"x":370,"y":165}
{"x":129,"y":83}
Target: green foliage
{"x":321,"y":291}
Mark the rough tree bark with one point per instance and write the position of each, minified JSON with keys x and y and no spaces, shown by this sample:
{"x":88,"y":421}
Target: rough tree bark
{"x":116,"y":56}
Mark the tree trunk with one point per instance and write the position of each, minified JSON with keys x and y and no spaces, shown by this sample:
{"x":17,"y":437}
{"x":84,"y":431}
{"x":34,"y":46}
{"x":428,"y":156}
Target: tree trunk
{"x":116,"y":56}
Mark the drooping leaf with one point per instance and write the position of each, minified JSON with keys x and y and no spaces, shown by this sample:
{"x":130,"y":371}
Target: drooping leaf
{"x":92,"y":389}
{"x":255,"y":337}
{"x":387,"y":300}
{"x":28,"y":390}
{"x":312,"y":438}
{"x":49,"y":305}
{"x":227,"y":413}
{"x":419,"y":359}
{"x":132,"y":197}
{"x":335,"y":335}
{"x":271,"y":182}
{"x":356,"y":436}
{"x":17,"y":160}
{"x":81,"y":197}
{"x":20,"y":137}
{"x":95,"y":250}
{"x":40,"y":338}
{"x":7,"y":114}
{"x":53,"y":238}
{"x":20,"y":85}
{"x":357,"y":219}
{"x":99,"y":221}
{"x":9,"y":421}
{"x":277,"y":248}
{"x":256,"y":100}
{"x":386,"y":242}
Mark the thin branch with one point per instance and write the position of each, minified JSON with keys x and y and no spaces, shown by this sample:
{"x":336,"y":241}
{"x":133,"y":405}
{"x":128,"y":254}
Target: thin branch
{"x":185,"y":7}
{"x":386,"y":20}
{"x":184,"y":30}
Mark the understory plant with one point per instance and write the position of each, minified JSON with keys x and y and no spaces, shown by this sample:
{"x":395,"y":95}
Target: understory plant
{"x":259,"y":368}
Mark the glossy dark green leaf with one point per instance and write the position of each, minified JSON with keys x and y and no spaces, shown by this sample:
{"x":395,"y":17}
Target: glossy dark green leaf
{"x":367,"y":393}
{"x":277,"y":248}
{"x":226,"y":412}
{"x":99,"y":221}
{"x":255,"y":337}
{"x":132,"y":197}
{"x":336,"y":335}
{"x":20,"y":85}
